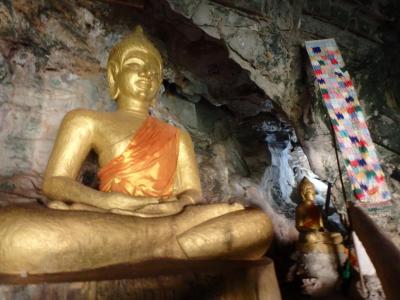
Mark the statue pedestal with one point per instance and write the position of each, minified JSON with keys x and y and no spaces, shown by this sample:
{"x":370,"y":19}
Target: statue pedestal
{"x":163,"y":279}
{"x":323,"y":242}
{"x":320,"y":256}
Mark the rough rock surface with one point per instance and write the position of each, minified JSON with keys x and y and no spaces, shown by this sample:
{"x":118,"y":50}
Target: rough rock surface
{"x":265,"y":38}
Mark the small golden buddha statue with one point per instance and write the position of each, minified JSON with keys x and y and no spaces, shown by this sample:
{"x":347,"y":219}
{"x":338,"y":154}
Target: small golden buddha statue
{"x":148,"y":203}
{"x":309,"y":222}
{"x":319,"y":252}
{"x":308,"y":215}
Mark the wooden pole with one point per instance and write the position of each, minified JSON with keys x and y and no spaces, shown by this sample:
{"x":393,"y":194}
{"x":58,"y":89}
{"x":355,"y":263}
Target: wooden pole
{"x":383,"y":252}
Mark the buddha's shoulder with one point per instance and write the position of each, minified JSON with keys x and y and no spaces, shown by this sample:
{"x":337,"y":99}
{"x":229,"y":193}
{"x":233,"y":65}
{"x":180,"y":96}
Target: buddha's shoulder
{"x":184,"y":137}
{"x":183,"y":133}
{"x":84,"y":115}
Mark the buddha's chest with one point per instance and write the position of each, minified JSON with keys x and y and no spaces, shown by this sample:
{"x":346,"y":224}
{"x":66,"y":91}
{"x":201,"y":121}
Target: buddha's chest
{"x":113,"y":137}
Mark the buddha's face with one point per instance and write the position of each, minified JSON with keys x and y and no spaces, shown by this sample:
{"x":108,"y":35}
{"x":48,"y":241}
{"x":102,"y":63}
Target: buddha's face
{"x":307,"y":190}
{"x":309,"y":195}
{"x":139,"y":76}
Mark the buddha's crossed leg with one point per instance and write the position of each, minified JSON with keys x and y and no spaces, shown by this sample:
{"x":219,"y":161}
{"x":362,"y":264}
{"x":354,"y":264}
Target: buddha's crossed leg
{"x":46,"y":241}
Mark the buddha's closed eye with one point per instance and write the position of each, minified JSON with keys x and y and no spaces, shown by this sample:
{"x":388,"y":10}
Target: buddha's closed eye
{"x":135,"y":66}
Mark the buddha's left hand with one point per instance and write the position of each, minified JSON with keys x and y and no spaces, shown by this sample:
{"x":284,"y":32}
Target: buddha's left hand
{"x":172,"y":206}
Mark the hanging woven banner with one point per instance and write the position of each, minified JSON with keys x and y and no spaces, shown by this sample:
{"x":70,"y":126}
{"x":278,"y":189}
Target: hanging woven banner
{"x":352,"y":134}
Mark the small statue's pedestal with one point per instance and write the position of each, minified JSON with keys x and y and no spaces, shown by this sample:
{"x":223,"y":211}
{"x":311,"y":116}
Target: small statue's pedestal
{"x":324,"y":242}
{"x":163,"y":279}
{"x":320,"y":256}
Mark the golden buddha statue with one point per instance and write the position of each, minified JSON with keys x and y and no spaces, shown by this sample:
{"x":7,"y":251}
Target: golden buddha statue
{"x":148,"y":203}
{"x":308,"y":215}
{"x":309,"y":222}
{"x":319,"y":252}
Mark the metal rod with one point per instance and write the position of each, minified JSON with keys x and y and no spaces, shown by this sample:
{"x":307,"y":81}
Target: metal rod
{"x":328,"y":198}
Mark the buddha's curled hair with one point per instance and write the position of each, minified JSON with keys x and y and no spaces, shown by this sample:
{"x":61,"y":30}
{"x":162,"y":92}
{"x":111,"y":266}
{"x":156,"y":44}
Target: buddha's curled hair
{"x":135,"y":41}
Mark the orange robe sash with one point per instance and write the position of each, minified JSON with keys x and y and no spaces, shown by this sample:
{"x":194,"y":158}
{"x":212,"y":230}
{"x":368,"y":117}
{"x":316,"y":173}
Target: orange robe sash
{"x":147,"y":167}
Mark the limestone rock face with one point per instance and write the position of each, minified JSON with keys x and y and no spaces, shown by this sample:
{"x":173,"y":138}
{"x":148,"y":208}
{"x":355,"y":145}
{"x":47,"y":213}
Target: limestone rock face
{"x":266,"y":37}
{"x":43,"y":77}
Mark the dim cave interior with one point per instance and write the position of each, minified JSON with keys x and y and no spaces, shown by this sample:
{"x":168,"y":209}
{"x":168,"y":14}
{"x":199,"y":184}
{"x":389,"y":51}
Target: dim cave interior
{"x":237,"y":77}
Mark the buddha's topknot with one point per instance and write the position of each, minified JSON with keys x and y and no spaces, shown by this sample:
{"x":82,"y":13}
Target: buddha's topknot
{"x":136,"y":41}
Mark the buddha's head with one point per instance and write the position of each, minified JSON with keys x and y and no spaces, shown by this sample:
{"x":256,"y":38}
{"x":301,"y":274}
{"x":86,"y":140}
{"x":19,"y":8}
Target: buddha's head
{"x":134,"y":68}
{"x":307,"y":190}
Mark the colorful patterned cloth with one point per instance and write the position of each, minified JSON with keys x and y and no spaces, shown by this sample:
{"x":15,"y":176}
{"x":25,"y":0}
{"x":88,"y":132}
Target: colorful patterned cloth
{"x":352,"y":134}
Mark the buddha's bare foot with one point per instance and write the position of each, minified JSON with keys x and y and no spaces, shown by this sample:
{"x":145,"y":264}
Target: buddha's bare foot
{"x":244,"y":233}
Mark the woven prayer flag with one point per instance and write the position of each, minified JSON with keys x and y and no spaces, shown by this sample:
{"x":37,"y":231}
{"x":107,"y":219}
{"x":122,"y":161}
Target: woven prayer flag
{"x":358,"y":151}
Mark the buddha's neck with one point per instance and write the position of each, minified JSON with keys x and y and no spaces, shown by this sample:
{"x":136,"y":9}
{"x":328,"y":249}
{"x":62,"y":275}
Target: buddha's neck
{"x":127,"y":104}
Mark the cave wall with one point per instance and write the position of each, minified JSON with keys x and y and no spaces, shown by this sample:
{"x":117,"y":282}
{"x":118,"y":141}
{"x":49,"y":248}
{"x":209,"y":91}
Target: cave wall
{"x":52,"y":57}
{"x":266,"y":38}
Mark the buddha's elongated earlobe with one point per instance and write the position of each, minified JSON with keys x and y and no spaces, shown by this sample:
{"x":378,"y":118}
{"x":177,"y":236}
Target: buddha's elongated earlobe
{"x":154,"y":101}
{"x":152,"y":106}
{"x":112,"y":72}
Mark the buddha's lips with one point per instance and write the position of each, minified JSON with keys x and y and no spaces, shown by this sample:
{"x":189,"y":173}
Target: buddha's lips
{"x":143,"y":84}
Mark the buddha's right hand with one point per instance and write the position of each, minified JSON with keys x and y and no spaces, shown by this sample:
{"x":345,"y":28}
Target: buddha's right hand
{"x":118,"y":201}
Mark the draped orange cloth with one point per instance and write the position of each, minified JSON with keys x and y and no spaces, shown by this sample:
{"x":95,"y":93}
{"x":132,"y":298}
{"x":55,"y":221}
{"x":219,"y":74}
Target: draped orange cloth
{"x":147,"y":167}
